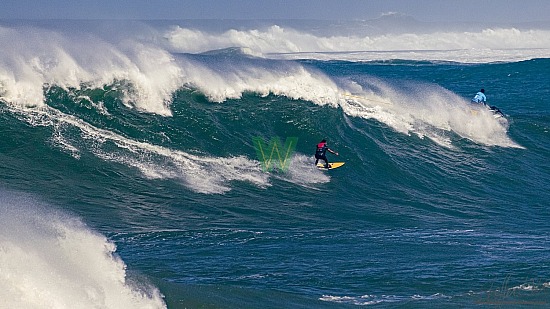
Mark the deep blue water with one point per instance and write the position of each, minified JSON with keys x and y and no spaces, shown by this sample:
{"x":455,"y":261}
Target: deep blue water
{"x":407,"y":221}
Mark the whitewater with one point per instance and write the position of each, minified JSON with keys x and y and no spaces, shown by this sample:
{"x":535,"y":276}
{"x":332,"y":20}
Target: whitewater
{"x":129,"y":177}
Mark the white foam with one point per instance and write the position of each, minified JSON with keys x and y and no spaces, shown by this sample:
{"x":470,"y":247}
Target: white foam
{"x":32,"y":58}
{"x":426,"y":110}
{"x":486,"y":45}
{"x":303,"y":172}
{"x":50,"y":260}
{"x":203,"y":174}
{"x":366,"y":300}
{"x":220,"y":82}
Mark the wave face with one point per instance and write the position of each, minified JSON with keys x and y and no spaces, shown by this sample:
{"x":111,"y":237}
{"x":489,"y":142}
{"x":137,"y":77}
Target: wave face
{"x":146,"y":134}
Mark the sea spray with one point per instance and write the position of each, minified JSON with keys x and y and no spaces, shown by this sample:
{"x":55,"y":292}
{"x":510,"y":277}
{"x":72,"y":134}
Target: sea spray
{"x":49,"y":259}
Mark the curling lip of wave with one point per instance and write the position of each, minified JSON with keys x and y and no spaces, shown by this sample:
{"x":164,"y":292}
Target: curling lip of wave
{"x":34,"y":57}
{"x":219,"y":76}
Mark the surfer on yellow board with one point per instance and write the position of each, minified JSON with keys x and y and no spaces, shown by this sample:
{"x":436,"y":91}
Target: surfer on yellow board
{"x":320,"y":154}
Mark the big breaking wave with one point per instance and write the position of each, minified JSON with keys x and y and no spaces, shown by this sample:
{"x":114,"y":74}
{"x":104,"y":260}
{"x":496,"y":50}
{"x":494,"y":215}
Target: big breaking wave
{"x":51,"y":260}
{"x":35,"y":58}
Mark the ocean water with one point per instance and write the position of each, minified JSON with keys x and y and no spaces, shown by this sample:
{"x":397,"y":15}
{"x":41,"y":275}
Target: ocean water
{"x":129,"y":176}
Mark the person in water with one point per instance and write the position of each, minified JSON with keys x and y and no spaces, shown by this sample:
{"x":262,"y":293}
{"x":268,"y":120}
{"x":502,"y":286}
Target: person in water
{"x":480,"y":97}
{"x":320,"y":154}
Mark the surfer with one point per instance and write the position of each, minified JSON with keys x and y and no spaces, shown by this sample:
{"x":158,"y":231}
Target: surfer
{"x":480,"y":97}
{"x":320,"y":154}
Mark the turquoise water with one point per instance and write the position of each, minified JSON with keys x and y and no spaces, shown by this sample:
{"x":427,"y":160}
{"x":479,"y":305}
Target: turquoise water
{"x":438,"y":204}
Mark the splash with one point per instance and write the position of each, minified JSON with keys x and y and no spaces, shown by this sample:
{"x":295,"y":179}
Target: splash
{"x":426,"y":110}
{"x":32,"y":58}
{"x":302,"y":172}
{"x":51,"y":260}
{"x":222,"y":77}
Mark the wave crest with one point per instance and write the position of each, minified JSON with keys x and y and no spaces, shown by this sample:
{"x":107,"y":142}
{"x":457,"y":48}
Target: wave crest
{"x":50,"y":260}
{"x":487,"y":45}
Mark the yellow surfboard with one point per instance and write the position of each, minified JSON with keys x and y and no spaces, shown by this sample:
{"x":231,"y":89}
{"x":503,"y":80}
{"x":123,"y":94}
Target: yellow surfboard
{"x":331,"y":165}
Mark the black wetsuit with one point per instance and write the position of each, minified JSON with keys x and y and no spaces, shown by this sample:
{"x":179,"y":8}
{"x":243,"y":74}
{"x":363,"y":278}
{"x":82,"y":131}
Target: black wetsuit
{"x":321,"y":154}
